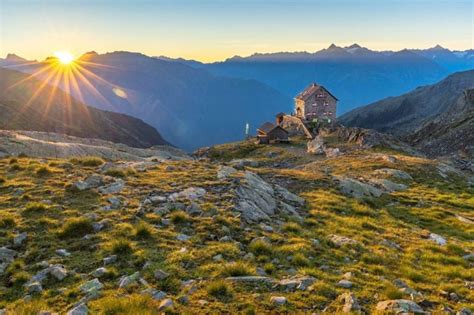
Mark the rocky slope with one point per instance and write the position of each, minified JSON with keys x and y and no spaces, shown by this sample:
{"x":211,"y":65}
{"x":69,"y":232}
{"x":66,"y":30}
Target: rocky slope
{"x":404,"y":114}
{"x":27,"y":103}
{"x":47,"y":144}
{"x":450,"y":133}
{"x":244,"y":229}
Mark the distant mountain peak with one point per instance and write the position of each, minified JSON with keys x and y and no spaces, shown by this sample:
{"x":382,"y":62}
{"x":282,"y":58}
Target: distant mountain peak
{"x":438,"y":47}
{"x":333,"y":46}
{"x":354,"y":46}
{"x":14,"y":57}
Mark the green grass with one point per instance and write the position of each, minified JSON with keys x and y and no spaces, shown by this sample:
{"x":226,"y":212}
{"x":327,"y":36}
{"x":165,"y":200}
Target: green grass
{"x":35,"y":207}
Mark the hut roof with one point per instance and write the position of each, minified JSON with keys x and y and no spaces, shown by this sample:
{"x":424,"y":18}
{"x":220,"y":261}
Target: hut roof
{"x":310,"y":90}
{"x":267,"y":127}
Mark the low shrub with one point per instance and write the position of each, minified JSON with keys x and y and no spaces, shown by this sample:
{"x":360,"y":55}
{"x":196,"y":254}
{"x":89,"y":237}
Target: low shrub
{"x":35,"y":207}
{"x":180,"y":217}
{"x":77,"y":227}
{"x":91,"y":161}
{"x":7,"y":221}
{"x":116,"y":172}
{"x":143,"y":231}
{"x":300,"y":260}
{"x":220,"y":290}
{"x":291,"y":227}
{"x":130,"y":304}
{"x":122,"y":247}
{"x":260,"y":247}
{"x":43,"y":171}
{"x":237,"y":269}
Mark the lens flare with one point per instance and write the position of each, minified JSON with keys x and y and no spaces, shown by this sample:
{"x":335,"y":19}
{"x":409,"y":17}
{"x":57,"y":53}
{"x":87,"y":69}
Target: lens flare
{"x":64,"y":57}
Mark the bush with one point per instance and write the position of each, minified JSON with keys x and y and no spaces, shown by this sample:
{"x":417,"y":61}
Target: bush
{"x":15,"y":167}
{"x":91,"y":161}
{"x":115,"y":172}
{"x":220,"y":290}
{"x":237,"y":269}
{"x":143,"y":231}
{"x":393,"y":293}
{"x":35,"y":207}
{"x":43,"y":171}
{"x":77,"y":227}
{"x":291,"y":227}
{"x":2,"y":180}
{"x":19,"y":278}
{"x":260,"y":247}
{"x":7,"y":221}
{"x":122,"y":247}
{"x":179,"y":217}
{"x":13,"y":161}
{"x":269,"y":268}
{"x":300,"y":260}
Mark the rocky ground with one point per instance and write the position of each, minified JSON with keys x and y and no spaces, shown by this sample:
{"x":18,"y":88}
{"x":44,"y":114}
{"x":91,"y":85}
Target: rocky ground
{"x":243,"y":229}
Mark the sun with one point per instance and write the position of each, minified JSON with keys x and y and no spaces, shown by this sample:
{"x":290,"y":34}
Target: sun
{"x":64,"y":57}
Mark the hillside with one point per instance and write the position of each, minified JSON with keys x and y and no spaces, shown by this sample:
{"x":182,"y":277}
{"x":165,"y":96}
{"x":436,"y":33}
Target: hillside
{"x":403,"y":114}
{"x":248,"y":229}
{"x":451,"y":132}
{"x":28,"y":104}
{"x":190,"y":107}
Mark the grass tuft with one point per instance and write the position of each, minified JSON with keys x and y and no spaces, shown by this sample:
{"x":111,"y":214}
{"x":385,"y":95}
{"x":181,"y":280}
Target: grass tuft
{"x":77,"y":227}
{"x":221,"y":290}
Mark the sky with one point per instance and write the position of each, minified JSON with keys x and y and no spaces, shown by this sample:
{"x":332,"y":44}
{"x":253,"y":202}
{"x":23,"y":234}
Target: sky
{"x":212,"y":30}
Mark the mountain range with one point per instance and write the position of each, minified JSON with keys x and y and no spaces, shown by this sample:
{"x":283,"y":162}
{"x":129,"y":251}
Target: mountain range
{"x":26,"y":103}
{"x":193,"y":104}
{"x":355,"y":74}
{"x":426,"y":115}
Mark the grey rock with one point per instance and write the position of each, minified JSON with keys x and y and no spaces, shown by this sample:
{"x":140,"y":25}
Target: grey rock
{"x":7,"y":255}
{"x":345,"y":284}
{"x":34,"y":287}
{"x":155,"y":294}
{"x":289,"y":197}
{"x":339,"y":240}
{"x":224,"y":172}
{"x":296,"y":283}
{"x":166,"y":303}
{"x":394,"y":173}
{"x":357,"y":189}
{"x":115,"y":202}
{"x":19,"y":239}
{"x":126,"y":281}
{"x":91,"y":286}
{"x":113,"y":188}
{"x":110,"y":260}
{"x":399,"y":306}
{"x":99,"y":272}
{"x":183,"y":237}
{"x":350,"y":302}
{"x":161,"y":275}
{"x":58,"y":272}
{"x":191,"y":193}
{"x":62,"y":252}
{"x":80,"y":309}
{"x":388,"y":185}
{"x":316,"y":146}
{"x":438,"y":239}
{"x":194,"y":209}
{"x":278,"y":300}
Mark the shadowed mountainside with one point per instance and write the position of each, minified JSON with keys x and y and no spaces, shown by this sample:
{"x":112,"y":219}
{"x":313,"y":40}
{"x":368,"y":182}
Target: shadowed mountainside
{"x":29,"y":104}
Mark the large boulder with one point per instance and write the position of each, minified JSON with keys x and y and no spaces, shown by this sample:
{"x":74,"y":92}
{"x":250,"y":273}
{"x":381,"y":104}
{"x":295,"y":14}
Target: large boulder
{"x":357,"y":189}
{"x":316,"y":146}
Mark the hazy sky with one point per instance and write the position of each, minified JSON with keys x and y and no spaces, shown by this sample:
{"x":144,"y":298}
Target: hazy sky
{"x":216,"y":29}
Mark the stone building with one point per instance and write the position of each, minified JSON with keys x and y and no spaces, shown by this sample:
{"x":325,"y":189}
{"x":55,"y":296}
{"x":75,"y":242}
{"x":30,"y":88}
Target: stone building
{"x":269,"y":132}
{"x":316,"y":102}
